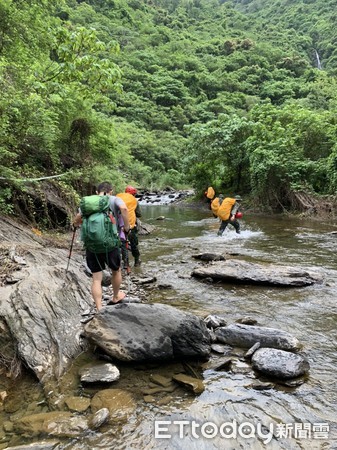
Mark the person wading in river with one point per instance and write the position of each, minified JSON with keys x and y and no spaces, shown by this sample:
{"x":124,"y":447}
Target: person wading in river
{"x":226,"y":213}
{"x":98,"y":215}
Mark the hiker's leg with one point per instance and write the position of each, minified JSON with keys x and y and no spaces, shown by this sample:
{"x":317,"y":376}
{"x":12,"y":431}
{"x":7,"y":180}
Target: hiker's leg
{"x":222,"y":228}
{"x":116,"y":281}
{"x":133,"y":238}
{"x":114,"y":262}
{"x":236,"y":225}
{"x":96,"y":289}
{"x":96,"y":265}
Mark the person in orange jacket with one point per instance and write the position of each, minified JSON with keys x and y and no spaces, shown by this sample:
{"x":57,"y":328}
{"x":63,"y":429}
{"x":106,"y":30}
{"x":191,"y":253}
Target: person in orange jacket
{"x":227,"y":214}
{"x":209,"y":194}
{"x":133,"y":211}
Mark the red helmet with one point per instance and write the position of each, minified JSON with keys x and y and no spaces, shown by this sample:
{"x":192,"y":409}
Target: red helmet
{"x":131,"y":190}
{"x":238,"y":215}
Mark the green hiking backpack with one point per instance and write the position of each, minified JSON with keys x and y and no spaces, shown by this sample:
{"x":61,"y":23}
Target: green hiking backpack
{"x":98,"y":231}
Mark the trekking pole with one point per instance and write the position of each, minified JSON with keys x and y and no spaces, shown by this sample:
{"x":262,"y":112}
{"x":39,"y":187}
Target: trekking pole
{"x":71,"y":249}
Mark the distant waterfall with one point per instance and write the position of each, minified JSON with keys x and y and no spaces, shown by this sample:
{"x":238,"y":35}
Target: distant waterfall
{"x":319,"y":65}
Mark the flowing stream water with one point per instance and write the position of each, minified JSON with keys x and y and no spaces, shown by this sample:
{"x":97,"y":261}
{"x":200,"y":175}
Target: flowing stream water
{"x":290,"y":418}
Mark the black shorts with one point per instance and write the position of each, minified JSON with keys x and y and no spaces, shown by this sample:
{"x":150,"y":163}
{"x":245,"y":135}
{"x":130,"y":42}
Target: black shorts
{"x":97,"y":262}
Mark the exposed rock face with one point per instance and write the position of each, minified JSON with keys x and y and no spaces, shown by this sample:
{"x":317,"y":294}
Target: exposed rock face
{"x":279,"y":364}
{"x":140,"y":332}
{"x":243,"y":272}
{"x":43,"y":309}
{"x":248,"y":335}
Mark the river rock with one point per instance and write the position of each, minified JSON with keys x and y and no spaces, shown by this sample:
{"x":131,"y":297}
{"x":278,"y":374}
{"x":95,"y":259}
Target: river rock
{"x":218,"y":348}
{"x":247,"y":321}
{"x":243,"y":272}
{"x":238,"y":366}
{"x":209,"y":257}
{"x":279,"y":364}
{"x":144,"y":228}
{"x":99,"y":418}
{"x":40,"y":445}
{"x":106,"y":373}
{"x":252,"y":350}
{"x":194,"y":384}
{"x":55,"y":423}
{"x":120,"y":403}
{"x":77,"y":404}
{"x":143,"y":332}
{"x":219,"y":364}
{"x":213,"y":321}
{"x":248,"y":335}
{"x":261,"y":385}
{"x":161,"y":380}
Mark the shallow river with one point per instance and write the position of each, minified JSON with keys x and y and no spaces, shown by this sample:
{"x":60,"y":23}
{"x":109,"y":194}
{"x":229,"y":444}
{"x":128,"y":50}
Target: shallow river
{"x":304,"y":417}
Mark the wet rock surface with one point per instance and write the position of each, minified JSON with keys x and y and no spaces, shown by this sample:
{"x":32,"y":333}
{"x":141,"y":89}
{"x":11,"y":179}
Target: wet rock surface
{"x":197,"y":386}
{"x":55,"y":423}
{"x":243,"y":272}
{"x":120,"y":403}
{"x":209,"y":257}
{"x":39,"y":445}
{"x":141,"y":332}
{"x":279,"y":364}
{"x":247,"y":336}
{"x":42,"y":310}
{"x":105,"y":373}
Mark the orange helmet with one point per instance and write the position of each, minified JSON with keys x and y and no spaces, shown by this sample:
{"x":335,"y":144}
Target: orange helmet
{"x":131,"y":190}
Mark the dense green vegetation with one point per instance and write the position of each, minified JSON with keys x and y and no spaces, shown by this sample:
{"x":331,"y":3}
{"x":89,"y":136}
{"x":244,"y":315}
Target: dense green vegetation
{"x":237,"y":94}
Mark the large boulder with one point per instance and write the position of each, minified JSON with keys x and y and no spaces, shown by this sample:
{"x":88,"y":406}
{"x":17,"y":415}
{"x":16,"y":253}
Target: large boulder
{"x":244,"y":272}
{"x":140,"y":332}
{"x":247,"y":335}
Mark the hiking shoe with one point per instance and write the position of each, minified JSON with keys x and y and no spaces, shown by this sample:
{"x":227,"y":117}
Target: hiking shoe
{"x":137,"y":262}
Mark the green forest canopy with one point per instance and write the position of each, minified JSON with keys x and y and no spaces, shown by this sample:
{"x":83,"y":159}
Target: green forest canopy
{"x":238,"y":94}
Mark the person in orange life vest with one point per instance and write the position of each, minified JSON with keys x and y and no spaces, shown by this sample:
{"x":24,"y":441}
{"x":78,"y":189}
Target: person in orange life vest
{"x":96,"y":262}
{"x":229,"y":207}
{"x":134,"y":211}
{"x":209,"y":194}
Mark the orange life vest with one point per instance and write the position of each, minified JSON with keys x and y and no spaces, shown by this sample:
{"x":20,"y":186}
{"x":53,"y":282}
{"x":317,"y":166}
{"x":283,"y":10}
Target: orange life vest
{"x":131,"y":204}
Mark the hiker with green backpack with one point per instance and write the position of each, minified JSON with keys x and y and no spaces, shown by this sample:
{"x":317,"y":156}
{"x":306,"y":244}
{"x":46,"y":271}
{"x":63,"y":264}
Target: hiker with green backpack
{"x":98,"y":217}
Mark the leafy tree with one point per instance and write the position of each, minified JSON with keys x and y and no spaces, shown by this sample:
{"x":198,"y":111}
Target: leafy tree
{"x":219,"y":144}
